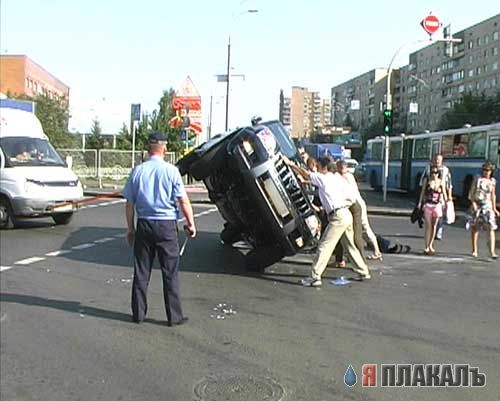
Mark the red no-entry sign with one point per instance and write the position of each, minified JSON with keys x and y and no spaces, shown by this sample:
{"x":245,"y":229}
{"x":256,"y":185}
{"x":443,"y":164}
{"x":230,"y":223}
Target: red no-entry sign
{"x":430,"y":24}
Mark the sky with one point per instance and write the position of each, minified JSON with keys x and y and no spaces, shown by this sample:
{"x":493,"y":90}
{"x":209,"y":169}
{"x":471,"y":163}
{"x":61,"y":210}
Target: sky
{"x":112,"y":53}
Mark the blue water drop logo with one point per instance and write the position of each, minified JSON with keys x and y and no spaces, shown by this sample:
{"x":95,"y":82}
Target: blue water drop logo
{"x":350,"y":377}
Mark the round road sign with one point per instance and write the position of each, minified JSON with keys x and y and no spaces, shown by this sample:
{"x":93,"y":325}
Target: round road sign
{"x":430,"y":24}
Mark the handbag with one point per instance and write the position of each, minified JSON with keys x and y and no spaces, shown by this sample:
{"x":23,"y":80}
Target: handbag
{"x":417,"y":216}
{"x":450,"y":212}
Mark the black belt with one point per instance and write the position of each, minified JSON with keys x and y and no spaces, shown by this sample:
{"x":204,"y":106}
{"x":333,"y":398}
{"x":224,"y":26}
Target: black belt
{"x":335,"y":210}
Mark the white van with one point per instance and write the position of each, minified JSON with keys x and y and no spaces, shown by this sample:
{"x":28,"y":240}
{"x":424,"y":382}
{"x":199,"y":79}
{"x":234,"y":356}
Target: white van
{"x":34,"y":180}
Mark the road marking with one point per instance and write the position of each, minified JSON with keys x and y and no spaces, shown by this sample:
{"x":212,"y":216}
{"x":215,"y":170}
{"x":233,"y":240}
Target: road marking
{"x":82,"y":246}
{"x":58,"y":253}
{"x":4,"y":268}
{"x":105,"y":204}
{"x":436,"y":258}
{"x":103,"y":240}
{"x":120,"y":235}
{"x":28,"y":261}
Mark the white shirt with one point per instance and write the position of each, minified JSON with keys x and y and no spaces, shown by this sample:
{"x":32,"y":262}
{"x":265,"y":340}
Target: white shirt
{"x":334,"y":191}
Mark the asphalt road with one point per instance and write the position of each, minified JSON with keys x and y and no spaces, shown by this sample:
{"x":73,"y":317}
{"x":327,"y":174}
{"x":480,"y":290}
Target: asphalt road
{"x":66,"y":332}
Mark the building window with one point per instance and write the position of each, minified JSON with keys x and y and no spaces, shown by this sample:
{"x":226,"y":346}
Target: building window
{"x":478,"y":71}
{"x":486,"y":39}
{"x":494,"y":66}
{"x":471,"y":73}
{"x":494,"y":51}
{"x":461,"y":88}
{"x":479,"y":42}
{"x":495,"y":35}
{"x":471,"y":45}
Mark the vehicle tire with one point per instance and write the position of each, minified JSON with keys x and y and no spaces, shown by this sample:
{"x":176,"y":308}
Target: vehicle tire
{"x":7,"y":218}
{"x":62,"y":218}
{"x":230,"y":234}
{"x":258,"y":259}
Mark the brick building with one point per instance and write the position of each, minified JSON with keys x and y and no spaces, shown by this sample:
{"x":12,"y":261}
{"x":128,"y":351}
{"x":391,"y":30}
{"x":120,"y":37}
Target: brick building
{"x":19,"y":75}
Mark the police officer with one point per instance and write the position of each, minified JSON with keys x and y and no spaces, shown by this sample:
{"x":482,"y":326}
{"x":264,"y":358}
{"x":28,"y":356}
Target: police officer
{"x":151,"y":192}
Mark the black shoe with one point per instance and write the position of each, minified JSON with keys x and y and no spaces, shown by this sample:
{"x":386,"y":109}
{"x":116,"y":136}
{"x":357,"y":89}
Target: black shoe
{"x":184,"y":320}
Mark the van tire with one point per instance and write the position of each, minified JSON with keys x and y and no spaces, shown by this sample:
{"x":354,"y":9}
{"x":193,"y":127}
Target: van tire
{"x":62,"y":218}
{"x":7,"y":218}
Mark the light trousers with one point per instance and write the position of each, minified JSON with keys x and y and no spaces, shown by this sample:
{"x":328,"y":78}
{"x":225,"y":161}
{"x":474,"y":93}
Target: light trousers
{"x":339,"y":224}
{"x":361,"y":225}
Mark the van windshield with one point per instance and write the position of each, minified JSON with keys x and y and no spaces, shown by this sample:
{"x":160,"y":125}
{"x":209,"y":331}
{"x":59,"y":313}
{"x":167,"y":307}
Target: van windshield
{"x":23,"y":151}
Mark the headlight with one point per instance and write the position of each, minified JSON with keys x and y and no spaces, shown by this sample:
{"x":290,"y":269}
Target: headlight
{"x":247,"y":146}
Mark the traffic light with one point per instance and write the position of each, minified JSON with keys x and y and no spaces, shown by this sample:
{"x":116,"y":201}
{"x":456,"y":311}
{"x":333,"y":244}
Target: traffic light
{"x":387,"y":121}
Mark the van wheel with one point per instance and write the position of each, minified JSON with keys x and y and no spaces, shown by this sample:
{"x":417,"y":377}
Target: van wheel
{"x":7,"y":218}
{"x":62,"y":218}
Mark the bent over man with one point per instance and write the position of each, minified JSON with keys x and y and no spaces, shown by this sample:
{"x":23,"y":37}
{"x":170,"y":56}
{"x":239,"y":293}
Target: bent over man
{"x":152,"y":191}
{"x":336,"y":197}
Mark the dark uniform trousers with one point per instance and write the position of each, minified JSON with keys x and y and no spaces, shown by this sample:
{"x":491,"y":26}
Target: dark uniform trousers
{"x":156,"y":237}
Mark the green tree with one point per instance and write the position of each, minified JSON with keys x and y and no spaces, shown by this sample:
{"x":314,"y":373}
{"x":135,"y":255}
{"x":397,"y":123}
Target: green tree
{"x":124,"y":138}
{"x":472,"y":109}
{"x":53,"y":113}
{"x":95,"y":139}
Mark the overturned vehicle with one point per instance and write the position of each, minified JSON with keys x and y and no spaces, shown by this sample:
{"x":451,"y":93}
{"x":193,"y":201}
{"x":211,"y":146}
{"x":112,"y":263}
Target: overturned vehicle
{"x":256,"y":193}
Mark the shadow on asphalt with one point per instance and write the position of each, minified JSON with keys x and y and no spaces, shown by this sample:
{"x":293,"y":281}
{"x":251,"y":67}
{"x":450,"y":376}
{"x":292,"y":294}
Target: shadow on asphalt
{"x":204,"y":254}
{"x":70,"y":306}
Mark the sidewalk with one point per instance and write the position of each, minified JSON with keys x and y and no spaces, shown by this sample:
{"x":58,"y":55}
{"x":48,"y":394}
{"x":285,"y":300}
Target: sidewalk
{"x":398,"y":204}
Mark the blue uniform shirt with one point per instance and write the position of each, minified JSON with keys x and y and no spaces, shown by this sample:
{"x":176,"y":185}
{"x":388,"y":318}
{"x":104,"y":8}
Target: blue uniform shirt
{"x":153,"y":187}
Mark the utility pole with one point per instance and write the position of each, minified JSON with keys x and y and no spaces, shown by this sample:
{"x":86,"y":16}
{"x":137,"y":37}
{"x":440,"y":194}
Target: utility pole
{"x":227,"y":82}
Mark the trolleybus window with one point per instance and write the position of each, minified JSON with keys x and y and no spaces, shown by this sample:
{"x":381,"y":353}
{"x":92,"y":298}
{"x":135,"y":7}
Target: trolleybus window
{"x":422,"y":148}
{"x":477,"y":145}
{"x":395,"y":150}
{"x":377,"y":151}
{"x":493,"y":151}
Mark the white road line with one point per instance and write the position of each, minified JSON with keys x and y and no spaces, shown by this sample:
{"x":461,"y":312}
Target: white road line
{"x":82,"y":246}
{"x":119,"y":235}
{"x":58,"y":253}
{"x":436,"y":258}
{"x":103,"y":240}
{"x":4,"y":268}
{"x":28,"y":261}
{"x":105,"y":204}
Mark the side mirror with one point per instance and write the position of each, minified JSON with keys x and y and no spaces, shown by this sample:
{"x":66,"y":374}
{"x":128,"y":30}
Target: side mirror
{"x":69,"y":161}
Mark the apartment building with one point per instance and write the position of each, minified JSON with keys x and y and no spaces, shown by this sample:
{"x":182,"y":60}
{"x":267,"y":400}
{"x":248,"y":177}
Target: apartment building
{"x":20,"y":75}
{"x":304,"y":112}
{"x":435,"y":80}
{"x":359,"y":99}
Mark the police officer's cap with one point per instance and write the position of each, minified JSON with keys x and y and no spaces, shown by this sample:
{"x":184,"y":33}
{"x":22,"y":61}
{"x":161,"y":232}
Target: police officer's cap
{"x":157,"y":137}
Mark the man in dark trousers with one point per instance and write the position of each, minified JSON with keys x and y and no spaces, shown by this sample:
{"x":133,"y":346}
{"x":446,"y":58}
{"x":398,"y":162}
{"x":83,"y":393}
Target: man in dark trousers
{"x":153,"y":191}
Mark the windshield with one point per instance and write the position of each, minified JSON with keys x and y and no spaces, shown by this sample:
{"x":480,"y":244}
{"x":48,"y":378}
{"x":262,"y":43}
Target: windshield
{"x":23,"y":151}
{"x":286,"y":145}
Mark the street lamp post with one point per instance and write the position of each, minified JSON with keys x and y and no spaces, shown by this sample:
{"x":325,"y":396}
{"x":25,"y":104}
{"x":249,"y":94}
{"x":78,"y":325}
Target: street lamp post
{"x":228,"y":70}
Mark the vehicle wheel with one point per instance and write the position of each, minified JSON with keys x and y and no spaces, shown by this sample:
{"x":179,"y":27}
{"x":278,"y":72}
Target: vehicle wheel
{"x":260,"y":258}
{"x":62,"y":218}
{"x":230,"y":234}
{"x":7,"y":218}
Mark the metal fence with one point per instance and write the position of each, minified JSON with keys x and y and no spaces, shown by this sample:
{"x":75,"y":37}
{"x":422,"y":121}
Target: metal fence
{"x":106,"y":166}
